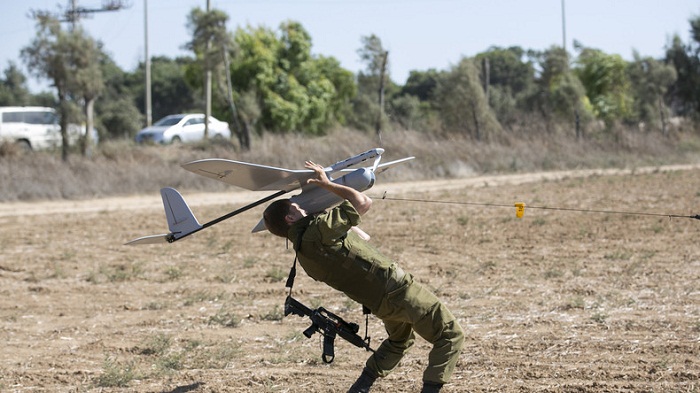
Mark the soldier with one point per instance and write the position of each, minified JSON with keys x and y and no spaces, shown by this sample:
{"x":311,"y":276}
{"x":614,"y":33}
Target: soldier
{"x":333,"y":250}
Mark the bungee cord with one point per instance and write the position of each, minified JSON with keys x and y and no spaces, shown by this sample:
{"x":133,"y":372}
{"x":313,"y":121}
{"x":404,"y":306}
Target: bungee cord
{"x":520,"y":207}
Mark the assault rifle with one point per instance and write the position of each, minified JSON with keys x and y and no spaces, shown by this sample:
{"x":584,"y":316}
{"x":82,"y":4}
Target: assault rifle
{"x":329,"y":325}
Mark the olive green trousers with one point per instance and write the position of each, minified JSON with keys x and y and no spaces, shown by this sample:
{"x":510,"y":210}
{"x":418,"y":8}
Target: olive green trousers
{"x":409,"y":308}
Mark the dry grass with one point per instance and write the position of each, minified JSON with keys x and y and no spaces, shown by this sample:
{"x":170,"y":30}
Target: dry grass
{"x":121,"y":168}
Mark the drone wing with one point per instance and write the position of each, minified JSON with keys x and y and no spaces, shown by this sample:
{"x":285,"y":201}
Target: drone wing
{"x":250,"y":176}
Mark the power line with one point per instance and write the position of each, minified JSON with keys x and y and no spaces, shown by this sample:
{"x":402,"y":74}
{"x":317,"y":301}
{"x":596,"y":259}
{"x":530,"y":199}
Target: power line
{"x":74,"y":13}
{"x":522,"y":206}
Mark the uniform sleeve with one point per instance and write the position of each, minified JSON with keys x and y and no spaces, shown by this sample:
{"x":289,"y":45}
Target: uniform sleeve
{"x":337,"y":222}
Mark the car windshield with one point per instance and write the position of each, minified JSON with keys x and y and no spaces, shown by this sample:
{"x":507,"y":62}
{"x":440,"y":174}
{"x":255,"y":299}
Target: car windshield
{"x":168,"y":121}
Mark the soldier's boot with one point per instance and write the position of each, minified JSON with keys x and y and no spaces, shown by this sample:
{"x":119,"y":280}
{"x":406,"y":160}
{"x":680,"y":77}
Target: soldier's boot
{"x":431,"y":387}
{"x":364,"y":382}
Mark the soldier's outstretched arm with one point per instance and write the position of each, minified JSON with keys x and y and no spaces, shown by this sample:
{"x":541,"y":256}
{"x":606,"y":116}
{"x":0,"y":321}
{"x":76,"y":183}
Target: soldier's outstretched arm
{"x":359,"y":200}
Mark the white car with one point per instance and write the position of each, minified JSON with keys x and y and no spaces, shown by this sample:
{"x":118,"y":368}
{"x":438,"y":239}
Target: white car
{"x":182,"y":128}
{"x":36,"y":127}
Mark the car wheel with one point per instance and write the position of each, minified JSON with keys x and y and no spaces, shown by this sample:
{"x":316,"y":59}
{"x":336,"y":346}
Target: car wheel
{"x":24,"y":145}
{"x":176,"y":140}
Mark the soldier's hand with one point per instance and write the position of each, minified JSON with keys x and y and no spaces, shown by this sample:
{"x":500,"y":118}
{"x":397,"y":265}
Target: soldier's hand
{"x":321,"y":177}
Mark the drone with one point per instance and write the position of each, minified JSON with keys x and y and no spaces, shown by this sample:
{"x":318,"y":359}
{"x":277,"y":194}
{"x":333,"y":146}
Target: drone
{"x":182,"y":221}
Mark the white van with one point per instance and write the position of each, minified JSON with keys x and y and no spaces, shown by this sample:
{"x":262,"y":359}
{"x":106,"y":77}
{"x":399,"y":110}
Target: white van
{"x":35,"y":127}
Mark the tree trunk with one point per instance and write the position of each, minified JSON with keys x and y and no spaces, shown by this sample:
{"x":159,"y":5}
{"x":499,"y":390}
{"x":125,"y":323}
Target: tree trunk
{"x":243,"y":133}
{"x":86,"y":140}
{"x":62,"y":104}
{"x":475,"y":117}
{"x":577,"y":121}
{"x":244,"y":137}
{"x":378,"y":127}
{"x":664,"y":130}
{"x":487,"y":77}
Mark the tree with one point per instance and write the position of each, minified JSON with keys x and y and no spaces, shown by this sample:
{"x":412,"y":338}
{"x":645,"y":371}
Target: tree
{"x":462,"y":104}
{"x":372,"y":54}
{"x":421,"y":84}
{"x":171,"y":82}
{"x":606,"y":82}
{"x":116,"y":111}
{"x":511,"y":80}
{"x":13,"y":88}
{"x":210,"y":43}
{"x":373,"y":85}
{"x":375,"y":57}
{"x":413,"y":105}
{"x":48,"y":57}
{"x":508,"y":68}
{"x":559,"y":94}
{"x":85,"y":82}
{"x":685,"y":92}
{"x":650,"y":80}
{"x":294,"y":90}
{"x":71,"y":61}
{"x":406,"y":109}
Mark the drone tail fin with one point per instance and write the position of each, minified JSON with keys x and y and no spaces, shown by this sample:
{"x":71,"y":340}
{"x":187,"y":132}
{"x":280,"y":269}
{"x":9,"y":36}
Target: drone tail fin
{"x":181,"y":220}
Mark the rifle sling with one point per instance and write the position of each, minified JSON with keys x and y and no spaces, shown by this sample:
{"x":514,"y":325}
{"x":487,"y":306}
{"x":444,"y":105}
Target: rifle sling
{"x":293,"y":273}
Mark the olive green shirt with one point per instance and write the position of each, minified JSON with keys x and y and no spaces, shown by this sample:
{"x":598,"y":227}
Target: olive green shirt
{"x":330,"y":252}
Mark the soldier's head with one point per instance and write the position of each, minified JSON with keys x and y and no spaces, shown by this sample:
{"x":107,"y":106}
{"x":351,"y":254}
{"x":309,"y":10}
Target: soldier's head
{"x":280,"y":216}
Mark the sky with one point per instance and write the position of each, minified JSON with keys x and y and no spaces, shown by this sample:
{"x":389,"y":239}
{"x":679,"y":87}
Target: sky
{"x":419,"y":34}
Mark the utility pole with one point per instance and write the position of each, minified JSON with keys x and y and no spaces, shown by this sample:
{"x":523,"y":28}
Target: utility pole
{"x":75,"y":13}
{"x":563,"y":25}
{"x":207,"y":83}
{"x":147,"y":64}
{"x":73,"y":17}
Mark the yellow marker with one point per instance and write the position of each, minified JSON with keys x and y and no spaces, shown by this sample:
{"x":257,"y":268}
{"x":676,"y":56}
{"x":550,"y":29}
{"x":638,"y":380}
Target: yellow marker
{"x":519,"y":209}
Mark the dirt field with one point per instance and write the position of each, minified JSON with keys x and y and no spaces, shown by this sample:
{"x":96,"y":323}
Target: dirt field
{"x":557,"y":301}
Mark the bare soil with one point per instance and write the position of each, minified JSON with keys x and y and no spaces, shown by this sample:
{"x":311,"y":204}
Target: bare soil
{"x":557,"y":301}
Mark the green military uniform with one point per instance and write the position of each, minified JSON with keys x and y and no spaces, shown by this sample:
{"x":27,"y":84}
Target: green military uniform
{"x":330,"y":252}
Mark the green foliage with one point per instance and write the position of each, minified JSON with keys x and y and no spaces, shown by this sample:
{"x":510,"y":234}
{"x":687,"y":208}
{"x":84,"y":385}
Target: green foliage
{"x":117,"y":113}
{"x":13,"y":88}
{"x":171,"y":87}
{"x":406,"y":110}
{"x":86,"y":79}
{"x":277,"y":85}
{"x":367,"y":113}
{"x":412,"y":106}
{"x":562,"y":93}
{"x":462,"y":104}
{"x":421,"y":84}
{"x":209,"y":36}
{"x":156,"y":345}
{"x":295,"y":91}
{"x":119,"y":117}
{"x":71,"y":61}
{"x":116,"y":374}
{"x":276,"y":274}
{"x":225,"y":319}
{"x":606,"y":82}
{"x":49,"y":56}
{"x":650,"y":80}
{"x":372,"y":54}
{"x":686,"y":60}
{"x":509,"y":68}
{"x":276,"y":314}
{"x":511,"y":81}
